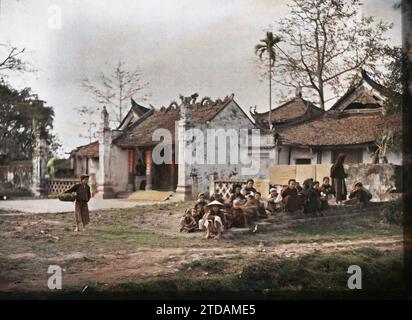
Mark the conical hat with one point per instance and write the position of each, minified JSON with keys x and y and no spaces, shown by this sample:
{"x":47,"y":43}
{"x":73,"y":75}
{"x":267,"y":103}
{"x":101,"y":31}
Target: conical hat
{"x":215,"y":203}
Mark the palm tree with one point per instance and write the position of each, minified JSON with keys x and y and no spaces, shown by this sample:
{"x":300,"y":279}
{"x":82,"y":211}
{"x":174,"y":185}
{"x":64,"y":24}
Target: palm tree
{"x":267,"y":45}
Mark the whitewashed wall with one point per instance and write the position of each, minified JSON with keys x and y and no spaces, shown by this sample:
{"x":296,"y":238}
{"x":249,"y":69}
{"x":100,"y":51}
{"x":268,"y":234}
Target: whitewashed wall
{"x":231,"y":117}
{"x":118,"y":168}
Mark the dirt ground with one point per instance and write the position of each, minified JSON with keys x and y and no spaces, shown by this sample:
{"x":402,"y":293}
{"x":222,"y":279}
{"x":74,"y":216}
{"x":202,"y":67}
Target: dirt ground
{"x":131,"y":244}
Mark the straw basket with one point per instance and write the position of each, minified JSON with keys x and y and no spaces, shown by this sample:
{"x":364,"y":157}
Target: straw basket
{"x":67,"y":196}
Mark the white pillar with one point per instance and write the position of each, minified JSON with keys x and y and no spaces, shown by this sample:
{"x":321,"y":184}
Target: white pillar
{"x":104,"y":187}
{"x":183,"y":183}
{"x":39,"y":162}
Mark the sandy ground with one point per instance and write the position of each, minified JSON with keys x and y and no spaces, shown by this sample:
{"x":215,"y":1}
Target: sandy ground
{"x":37,"y":206}
{"x":130,"y":244}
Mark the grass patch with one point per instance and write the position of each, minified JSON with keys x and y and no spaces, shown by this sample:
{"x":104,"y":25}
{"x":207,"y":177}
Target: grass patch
{"x":312,"y":276}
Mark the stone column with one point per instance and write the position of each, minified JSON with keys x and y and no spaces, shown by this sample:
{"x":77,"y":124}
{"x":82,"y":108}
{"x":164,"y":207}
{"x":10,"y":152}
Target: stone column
{"x":149,"y":170}
{"x":183,"y":184}
{"x":104,"y":186}
{"x":39,"y":162}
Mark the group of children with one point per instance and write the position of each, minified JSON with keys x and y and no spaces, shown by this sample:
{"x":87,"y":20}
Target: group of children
{"x":216,"y":215}
{"x":245,"y":205}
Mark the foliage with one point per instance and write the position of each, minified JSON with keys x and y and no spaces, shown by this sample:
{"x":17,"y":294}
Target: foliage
{"x":21,"y":112}
{"x":326,"y":44}
{"x":267,"y":46}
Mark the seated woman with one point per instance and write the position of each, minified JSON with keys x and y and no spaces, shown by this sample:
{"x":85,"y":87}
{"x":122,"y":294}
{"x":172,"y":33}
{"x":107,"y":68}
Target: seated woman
{"x":311,"y":202}
{"x":214,"y":220}
{"x":236,"y":194}
{"x":188,"y":223}
{"x":323,"y":200}
{"x":359,"y":195}
{"x":199,"y":208}
{"x":237,"y":217}
{"x":291,"y":200}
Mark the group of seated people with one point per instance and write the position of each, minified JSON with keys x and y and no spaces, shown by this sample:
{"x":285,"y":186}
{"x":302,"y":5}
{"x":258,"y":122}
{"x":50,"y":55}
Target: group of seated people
{"x":245,"y":205}
{"x":216,"y":215}
{"x":314,"y":197}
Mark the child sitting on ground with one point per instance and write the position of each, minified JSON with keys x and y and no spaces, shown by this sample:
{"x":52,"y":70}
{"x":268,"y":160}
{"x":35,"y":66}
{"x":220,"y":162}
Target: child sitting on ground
{"x":199,"y":208}
{"x":326,"y":189}
{"x":323,"y":200}
{"x":214,"y":220}
{"x":237,"y":217}
{"x":261,"y":208}
{"x":251,"y":207}
{"x":188,"y":223}
{"x":274,"y":201}
{"x":291,"y":200}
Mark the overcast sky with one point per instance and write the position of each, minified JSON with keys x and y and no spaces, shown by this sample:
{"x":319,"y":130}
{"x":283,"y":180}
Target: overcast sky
{"x":182,"y":46}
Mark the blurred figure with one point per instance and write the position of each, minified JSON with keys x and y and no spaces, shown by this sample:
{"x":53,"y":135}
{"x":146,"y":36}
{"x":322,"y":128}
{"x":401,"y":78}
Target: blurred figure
{"x":338,"y":175}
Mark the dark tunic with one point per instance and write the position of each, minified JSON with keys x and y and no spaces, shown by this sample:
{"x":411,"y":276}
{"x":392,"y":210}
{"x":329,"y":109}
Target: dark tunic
{"x":327,"y":189}
{"x":247,"y":190}
{"x":199,"y":210}
{"x":361,"y":195}
{"x":83,"y":195}
{"x":235,"y":196}
{"x":338,"y":175}
{"x":238,"y":218}
{"x":291,"y":199}
{"x":323,"y":200}
{"x":311,"y":200}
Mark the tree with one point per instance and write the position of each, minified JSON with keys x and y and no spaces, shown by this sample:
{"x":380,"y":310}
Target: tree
{"x":88,"y":115}
{"x":326,"y":44}
{"x":115,"y":88}
{"x":21,"y":114}
{"x":267,"y":46}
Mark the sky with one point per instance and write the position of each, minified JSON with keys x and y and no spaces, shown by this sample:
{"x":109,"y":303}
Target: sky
{"x":181,"y":46}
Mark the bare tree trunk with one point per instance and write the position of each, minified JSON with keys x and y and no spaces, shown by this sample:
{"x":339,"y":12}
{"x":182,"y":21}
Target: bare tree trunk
{"x":270,"y":93}
{"x":321,"y":95}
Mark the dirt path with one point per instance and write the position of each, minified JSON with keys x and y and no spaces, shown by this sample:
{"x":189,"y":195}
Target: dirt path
{"x":148,"y":262}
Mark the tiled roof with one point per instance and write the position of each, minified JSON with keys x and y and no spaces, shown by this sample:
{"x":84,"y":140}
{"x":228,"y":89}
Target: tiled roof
{"x":294,"y":110}
{"x":90,"y":150}
{"x":140,"y":133}
{"x":339,"y":129}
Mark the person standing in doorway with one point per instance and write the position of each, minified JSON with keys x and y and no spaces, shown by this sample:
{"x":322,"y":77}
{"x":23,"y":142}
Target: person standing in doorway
{"x":83,"y":195}
{"x":338,"y":175}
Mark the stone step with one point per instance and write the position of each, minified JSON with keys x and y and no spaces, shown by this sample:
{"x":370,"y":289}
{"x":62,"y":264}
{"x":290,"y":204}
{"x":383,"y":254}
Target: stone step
{"x":123,"y":195}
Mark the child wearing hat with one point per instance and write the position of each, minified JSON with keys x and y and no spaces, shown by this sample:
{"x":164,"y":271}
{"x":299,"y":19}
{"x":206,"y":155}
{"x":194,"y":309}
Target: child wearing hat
{"x":214,"y":220}
{"x":83,"y":195}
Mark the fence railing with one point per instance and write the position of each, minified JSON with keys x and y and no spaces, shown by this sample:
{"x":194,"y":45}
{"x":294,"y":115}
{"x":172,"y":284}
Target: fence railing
{"x":224,"y":187}
{"x":56,"y":186}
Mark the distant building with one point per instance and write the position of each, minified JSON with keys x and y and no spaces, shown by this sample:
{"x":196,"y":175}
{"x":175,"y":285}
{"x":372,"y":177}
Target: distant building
{"x":122,"y":159}
{"x":349,"y":126}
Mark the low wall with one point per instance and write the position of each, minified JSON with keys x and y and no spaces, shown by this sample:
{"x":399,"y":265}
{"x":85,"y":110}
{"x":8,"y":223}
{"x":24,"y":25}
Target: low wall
{"x":378,"y":178}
